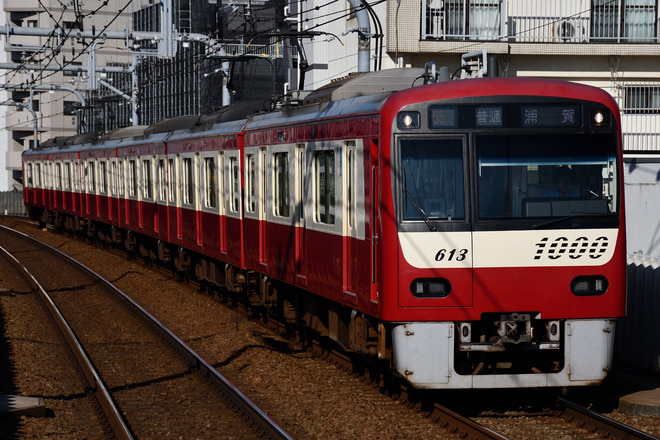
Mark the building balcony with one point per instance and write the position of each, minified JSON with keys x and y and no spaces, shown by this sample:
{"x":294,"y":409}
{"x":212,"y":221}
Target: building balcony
{"x":535,"y":21}
{"x":556,"y":27}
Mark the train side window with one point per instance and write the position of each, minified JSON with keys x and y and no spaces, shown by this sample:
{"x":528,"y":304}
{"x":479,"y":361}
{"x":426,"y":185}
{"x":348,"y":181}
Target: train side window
{"x":211,"y":182}
{"x":147,"y":179}
{"x":113,"y":178}
{"x":103,"y":177}
{"x":91,"y":176}
{"x":120,"y":177}
{"x":350,"y":182}
{"x":132,"y":178}
{"x":37,"y":176}
{"x":221,"y":182}
{"x":162,"y":181}
{"x":171,"y":179}
{"x":300,"y":172}
{"x":28,"y":170}
{"x":188,"y":182}
{"x":58,"y":176}
{"x":235,"y":184}
{"x":324,"y":183}
{"x":251,"y":183}
{"x":76,"y":176}
{"x":281,"y":187}
{"x":67,"y":176}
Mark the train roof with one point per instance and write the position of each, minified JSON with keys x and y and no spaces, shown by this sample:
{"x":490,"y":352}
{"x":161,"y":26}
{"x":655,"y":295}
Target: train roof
{"x":355,"y":93}
{"x":363,"y":84}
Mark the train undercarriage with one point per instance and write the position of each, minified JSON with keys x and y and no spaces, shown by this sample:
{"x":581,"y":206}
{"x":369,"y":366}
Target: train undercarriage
{"x":508,"y":346}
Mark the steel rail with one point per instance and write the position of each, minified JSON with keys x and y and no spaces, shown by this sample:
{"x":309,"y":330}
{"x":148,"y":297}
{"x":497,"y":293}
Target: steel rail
{"x":603,"y":424}
{"x":469,"y":428}
{"x":240,"y":400}
{"x":112,"y":414}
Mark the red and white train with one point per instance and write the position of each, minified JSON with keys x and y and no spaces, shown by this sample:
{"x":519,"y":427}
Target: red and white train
{"x":470,"y":233}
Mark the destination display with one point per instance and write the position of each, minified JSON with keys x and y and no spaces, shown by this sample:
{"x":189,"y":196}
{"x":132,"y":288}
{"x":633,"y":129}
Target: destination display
{"x":550,"y":115}
{"x":443,"y":117}
{"x":508,"y":115}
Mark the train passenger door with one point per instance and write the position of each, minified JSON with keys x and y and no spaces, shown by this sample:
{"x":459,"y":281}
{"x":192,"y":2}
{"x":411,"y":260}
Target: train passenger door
{"x":299,"y":214}
{"x":352,"y":221}
{"x":262,"y":171}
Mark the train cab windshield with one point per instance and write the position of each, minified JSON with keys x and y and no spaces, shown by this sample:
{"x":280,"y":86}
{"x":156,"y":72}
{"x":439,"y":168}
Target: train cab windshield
{"x":529,"y":180}
{"x":520,"y":176}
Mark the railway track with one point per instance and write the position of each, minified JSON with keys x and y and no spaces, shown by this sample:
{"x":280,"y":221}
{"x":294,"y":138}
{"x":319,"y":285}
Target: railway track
{"x":560,"y":419}
{"x":147,"y":381}
{"x":605,"y":426}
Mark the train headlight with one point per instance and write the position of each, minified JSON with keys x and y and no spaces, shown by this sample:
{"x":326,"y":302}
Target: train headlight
{"x":600,"y":118}
{"x":408,"y":120}
{"x":430,"y":288}
{"x":591,"y":285}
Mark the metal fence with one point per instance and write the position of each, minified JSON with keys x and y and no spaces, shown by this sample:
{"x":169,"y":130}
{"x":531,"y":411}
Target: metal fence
{"x":561,"y":21}
{"x":638,"y":334}
{"x":640,"y":115}
{"x":11,"y":203}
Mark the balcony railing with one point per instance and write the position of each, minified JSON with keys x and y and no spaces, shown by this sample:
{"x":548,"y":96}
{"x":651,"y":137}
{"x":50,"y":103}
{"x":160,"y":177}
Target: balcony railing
{"x":601,"y":21}
{"x":640,"y":119}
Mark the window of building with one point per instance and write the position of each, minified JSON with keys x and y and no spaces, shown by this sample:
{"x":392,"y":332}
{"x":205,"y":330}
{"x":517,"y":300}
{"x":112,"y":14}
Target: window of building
{"x":324,"y":183}
{"x":449,"y":19}
{"x":641,"y":99}
{"x":630,"y":20}
{"x":281,"y":187}
{"x":71,"y":72}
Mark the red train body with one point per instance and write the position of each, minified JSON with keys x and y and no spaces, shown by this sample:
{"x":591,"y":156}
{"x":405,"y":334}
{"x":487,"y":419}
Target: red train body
{"x":421,"y":226}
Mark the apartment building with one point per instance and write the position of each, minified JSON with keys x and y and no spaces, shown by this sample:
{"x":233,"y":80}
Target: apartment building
{"x":612,"y":44}
{"x":43,"y":104}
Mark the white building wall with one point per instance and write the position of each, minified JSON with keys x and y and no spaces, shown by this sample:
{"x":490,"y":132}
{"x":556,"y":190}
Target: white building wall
{"x":51,"y":117}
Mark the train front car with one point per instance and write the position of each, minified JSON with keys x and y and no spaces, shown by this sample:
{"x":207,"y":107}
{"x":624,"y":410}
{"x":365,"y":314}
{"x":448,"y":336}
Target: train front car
{"x":503,"y":245}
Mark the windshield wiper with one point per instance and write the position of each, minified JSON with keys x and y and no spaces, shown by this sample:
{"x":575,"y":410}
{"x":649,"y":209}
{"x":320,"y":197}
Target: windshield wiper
{"x":555,"y":220}
{"x":420,"y":211}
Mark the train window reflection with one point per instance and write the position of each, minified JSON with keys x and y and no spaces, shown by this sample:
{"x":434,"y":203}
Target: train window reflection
{"x":432,"y":179}
{"x":324,"y":182}
{"x":281,"y":187}
{"x":552,"y":176}
{"x":251,"y":183}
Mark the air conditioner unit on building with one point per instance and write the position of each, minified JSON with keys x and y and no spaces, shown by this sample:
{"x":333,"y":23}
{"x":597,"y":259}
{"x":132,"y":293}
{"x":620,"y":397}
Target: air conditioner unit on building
{"x":573,"y":30}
